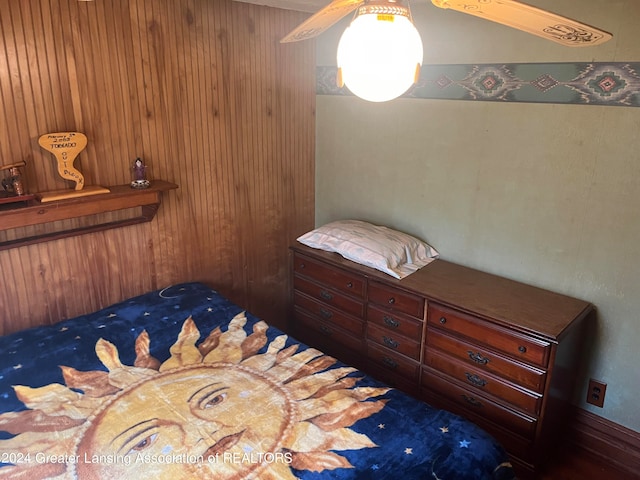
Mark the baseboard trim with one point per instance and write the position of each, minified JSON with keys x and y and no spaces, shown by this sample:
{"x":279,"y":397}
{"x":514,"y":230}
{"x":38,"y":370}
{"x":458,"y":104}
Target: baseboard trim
{"x":614,"y":443}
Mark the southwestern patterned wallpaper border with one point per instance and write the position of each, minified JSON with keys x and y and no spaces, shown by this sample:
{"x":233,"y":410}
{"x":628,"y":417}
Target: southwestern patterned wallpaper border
{"x":614,"y":83}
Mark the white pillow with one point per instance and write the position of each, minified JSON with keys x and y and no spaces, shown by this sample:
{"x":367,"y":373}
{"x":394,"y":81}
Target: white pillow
{"x":382,"y":248}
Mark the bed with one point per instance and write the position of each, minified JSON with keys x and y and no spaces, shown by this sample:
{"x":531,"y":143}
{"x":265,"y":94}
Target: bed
{"x":182,"y":383}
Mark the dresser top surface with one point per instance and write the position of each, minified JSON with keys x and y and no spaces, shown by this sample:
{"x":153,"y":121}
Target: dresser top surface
{"x":506,"y":301}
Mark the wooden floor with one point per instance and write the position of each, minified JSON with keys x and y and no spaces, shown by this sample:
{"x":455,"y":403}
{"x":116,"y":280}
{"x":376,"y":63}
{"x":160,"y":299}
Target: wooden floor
{"x":577,"y":464}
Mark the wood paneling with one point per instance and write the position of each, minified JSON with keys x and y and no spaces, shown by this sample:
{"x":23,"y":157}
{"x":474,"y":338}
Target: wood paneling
{"x":204,"y":92}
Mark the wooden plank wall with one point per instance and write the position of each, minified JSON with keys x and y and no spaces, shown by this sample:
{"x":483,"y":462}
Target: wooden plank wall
{"x":201,"y":90}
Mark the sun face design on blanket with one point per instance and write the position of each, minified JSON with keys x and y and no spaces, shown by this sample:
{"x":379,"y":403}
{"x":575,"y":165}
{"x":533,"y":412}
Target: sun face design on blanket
{"x":216,"y":410}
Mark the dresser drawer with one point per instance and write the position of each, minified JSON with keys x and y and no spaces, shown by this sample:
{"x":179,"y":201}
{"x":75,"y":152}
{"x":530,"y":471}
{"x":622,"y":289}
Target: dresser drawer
{"x":483,"y":382}
{"x":395,"y":322}
{"x":392,"y":341}
{"x":328,"y":334}
{"x":393,"y":362}
{"x":514,"y":421}
{"x":392,"y":379}
{"x":342,"y":280}
{"x":487,"y":360}
{"x":512,"y":343}
{"x":396,"y":299}
{"x":331,"y":297}
{"x":329,"y":314}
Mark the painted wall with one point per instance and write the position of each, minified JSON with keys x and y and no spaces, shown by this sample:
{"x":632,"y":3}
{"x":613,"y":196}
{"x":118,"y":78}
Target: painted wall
{"x":545,"y":194}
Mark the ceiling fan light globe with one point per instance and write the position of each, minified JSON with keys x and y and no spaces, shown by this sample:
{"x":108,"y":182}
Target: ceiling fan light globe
{"x":378,"y":56}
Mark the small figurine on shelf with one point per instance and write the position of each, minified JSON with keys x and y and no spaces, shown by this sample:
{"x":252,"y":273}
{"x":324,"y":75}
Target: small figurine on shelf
{"x":139,"y":175}
{"x":13,"y":183}
{"x":12,"y":190}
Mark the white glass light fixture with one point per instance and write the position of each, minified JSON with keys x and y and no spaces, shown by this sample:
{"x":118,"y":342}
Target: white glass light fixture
{"x":380,"y":53}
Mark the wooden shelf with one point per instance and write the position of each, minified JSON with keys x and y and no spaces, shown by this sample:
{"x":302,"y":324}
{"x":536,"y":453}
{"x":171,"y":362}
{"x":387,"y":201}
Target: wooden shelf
{"x":120,"y":197}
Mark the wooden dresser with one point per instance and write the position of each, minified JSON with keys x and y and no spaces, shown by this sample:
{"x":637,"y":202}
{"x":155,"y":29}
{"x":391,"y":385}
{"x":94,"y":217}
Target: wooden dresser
{"x":499,"y":352}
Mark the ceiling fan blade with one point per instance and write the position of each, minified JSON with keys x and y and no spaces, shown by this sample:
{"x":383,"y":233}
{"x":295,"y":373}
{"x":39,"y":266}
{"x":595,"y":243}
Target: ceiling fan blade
{"x":530,"y":19}
{"x":322,"y":20}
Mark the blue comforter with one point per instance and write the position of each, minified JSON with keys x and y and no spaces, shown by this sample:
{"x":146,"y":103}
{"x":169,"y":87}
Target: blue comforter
{"x":181,"y":383}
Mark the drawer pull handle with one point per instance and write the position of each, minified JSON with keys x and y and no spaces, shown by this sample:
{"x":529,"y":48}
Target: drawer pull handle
{"x":302,"y":265}
{"x":326,"y":295}
{"x":389,"y":362}
{"x":475,"y":380}
{"x":389,"y":321}
{"x":478,"y":358}
{"x":349,"y":284}
{"x":390,"y":342}
{"x":327,"y":331}
{"x":326,"y":313}
{"x":522,"y":349}
{"x":443,"y":320}
{"x":392,"y":301}
{"x":472,"y":401}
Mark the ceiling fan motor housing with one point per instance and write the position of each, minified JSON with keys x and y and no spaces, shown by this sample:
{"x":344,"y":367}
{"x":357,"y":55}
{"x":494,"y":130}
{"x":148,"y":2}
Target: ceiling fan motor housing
{"x":384,"y":7}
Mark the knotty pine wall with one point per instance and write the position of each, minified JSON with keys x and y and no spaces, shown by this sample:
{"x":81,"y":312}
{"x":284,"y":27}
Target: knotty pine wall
{"x":205,"y":94}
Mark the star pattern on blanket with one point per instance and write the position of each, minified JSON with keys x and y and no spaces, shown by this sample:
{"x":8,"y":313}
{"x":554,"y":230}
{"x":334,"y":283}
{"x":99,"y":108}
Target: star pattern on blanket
{"x":464,"y":444}
{"x":444,"y":429}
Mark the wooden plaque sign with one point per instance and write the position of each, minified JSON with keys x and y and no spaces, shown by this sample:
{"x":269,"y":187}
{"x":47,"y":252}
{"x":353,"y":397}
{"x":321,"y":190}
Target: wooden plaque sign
{"x":65,"y":147}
